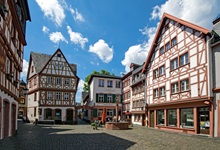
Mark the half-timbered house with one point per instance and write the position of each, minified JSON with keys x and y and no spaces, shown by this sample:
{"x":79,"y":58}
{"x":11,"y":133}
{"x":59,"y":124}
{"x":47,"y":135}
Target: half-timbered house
{"x":178,"y":78}
{"x":133,"y":95}
{"x":215,"y":59}
{"x":52,"y":86}
{"x":13,"y":17}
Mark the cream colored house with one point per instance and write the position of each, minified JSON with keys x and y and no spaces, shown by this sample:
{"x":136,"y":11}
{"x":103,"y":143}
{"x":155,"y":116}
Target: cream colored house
{"x":52,"y":86}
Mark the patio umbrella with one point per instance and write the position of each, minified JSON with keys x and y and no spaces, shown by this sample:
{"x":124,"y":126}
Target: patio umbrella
{"x":103,"y":115}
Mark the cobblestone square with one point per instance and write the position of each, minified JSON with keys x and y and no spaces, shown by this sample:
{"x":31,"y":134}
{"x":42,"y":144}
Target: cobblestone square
{"x":82,"y":137}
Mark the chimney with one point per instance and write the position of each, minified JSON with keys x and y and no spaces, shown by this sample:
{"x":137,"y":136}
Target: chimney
{"x":216,"y":25}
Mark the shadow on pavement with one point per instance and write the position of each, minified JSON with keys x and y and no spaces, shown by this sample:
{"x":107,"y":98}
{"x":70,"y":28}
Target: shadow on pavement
{"x":34,"y":137}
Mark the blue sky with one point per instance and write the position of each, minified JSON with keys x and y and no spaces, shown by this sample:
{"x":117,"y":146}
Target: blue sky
{"x":105,"y":34}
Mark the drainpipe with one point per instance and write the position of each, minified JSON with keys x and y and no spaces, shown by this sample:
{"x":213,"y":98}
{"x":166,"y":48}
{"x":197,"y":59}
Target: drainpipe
{"x":210,"y":85}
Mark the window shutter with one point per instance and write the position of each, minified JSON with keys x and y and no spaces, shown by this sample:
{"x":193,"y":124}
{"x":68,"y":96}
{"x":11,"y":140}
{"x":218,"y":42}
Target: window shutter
{"x":95,"y":112}
{"x":113,"y":97}
{"x":114,"y":112}
{"x":105,"y":98}
{"x":97,"y":97}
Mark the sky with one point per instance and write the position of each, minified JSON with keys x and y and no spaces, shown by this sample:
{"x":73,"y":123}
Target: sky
{"x":105,"y":34}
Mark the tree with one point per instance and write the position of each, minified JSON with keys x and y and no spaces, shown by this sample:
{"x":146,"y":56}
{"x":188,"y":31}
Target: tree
{"x":86,"y":84}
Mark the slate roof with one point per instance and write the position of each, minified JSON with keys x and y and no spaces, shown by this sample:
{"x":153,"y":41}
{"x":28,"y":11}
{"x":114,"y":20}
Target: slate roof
{"x":39,"y":60}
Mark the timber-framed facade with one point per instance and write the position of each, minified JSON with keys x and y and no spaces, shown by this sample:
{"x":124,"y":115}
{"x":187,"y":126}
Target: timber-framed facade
{"x":177,"y":73}
{"x":13,"y":17}
{"x":52,"y":86}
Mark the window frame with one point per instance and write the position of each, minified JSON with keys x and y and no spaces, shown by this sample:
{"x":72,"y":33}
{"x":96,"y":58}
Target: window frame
{"x":101,"y":84}
{"x":185,"y":59}
{"x":174,"y":65}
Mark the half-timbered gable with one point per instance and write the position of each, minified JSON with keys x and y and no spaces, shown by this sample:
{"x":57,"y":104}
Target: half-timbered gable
{"x":177,"y":76}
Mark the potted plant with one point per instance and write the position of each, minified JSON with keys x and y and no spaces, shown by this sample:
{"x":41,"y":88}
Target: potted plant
{"x":94,"y":125}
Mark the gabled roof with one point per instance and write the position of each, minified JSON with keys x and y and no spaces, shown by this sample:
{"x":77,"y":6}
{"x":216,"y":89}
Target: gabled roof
{"x":160,"y":27}
{"x":41,"y":60}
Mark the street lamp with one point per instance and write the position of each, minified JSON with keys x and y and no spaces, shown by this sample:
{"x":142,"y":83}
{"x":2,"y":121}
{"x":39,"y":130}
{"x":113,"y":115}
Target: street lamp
{"x":117,"y":102}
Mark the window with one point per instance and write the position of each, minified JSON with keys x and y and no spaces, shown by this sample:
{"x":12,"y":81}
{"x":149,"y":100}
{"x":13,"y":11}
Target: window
{"x":109,"y":112}
{"x":99,"y":111}
{"x":155,"y":73}
{"x":48,"y":114}
{"x":184,"y":59}
{"x":160,"y":117}
{"x":58,"y":55}
{"x":162,"y":91}
{"x":32,"y":69}
{"x":162,"y":50}
{"x":167,"y":46}
{"x":58,"y":80}
{"x":101,"y":83}
{"x":172,"y":117}
{"x":58,"y":95}
{"x":22,"y":101}
{"x":109,"y":98}
{"x":109,"y":83}
{"x":66,"y":96}
{"x":49,"y":80}
{"x":7,"y":66}
{"x":184,"y":85}
{"x":57,"y":65}
{"x":156,"y":93}
{"x":66,"y":81}
{"x":117,"y":84}
{"x":35,"y":96}
{"x":49,"y":95}
{"x":174,"y":87}
{"x":101,"y":98}
{"x":174,"y":64}
{"x":187,"y":120}
{"x":35,"y":81}
{"x":173,"y":42}
{"x":162,"y":70}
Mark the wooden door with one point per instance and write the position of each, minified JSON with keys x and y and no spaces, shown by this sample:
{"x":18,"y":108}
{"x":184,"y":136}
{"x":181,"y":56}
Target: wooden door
{"x":152,"y":118}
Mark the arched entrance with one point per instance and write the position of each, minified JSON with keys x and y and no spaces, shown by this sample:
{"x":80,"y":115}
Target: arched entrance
{"x":48,"y":114}
{"x":58,"y":114}
{"x":13,"y":119}
{"x":5,"y":118}
{"x":69,"y":116}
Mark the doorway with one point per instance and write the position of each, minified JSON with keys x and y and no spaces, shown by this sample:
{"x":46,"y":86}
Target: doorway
{"x":69,"y":116}
{"x":5,"y":119}
{"x":152,"y":118}
{"x":204,"y":120}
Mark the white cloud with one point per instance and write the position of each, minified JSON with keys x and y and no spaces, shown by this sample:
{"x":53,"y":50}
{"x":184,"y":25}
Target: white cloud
{"x":79,"y":90}
{"x":76,"y":15}
{"x":53,"y":10}
{"x":200,"y":12}
{"x":138,"y":53}
{"x":24,"y":70}
{"x":45,"y":29}
{"x":76,"y":38}
{"x":56,"y":37}
{"x":102,"y":49}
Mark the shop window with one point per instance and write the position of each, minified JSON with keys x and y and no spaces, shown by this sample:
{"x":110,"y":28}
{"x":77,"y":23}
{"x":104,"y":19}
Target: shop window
{"x":172,"y":117}
{"x":187,"y":120}
{"x":48,"y":114}
{"x":160,"y":117}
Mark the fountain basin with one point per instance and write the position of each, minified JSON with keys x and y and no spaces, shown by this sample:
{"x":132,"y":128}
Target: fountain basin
{"x":116,"y":125}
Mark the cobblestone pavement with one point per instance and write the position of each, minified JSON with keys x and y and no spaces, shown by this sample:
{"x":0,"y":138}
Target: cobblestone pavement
{"x":82,"y":137}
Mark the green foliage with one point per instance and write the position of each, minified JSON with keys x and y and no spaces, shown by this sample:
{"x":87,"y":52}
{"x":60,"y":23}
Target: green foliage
{"x":102,"y":72}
